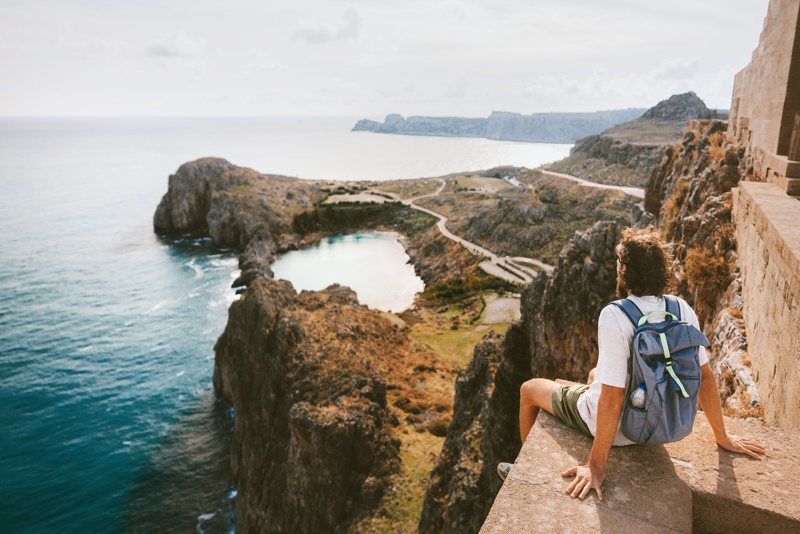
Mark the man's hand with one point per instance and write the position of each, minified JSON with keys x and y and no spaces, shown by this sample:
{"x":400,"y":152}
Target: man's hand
{"x":586,"y":479}
{"x":750,"y":447}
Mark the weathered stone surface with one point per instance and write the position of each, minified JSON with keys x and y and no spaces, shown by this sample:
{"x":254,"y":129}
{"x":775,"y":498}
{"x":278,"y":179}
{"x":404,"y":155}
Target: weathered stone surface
{"x":769,"y":254}
{"x":765,"y":101}
{"x":688,"y":486}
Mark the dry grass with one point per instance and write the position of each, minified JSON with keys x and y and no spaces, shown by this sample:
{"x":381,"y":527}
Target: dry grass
{"x":715,"y":152}
{"x":479,"y":182}
{"x":402,"y":507}
{"x":408,"y":188}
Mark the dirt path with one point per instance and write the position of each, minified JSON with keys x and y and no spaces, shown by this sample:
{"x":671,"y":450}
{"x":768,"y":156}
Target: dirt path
{"x":499,"y":267}
{"x":633,"y":191}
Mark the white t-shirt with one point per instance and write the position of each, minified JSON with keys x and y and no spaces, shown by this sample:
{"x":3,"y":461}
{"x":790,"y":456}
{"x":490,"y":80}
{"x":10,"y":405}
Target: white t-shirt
{"x":614,"y":336}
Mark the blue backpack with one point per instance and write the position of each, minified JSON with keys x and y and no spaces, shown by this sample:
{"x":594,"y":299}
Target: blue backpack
{"x":663,"y":357}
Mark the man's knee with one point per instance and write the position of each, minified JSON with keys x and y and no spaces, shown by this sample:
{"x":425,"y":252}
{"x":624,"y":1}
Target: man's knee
{"x":532,"y":391}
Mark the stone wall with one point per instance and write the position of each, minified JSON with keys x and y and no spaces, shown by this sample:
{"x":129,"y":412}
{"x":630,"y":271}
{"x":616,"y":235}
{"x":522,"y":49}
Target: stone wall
{"x":768,"y":238}
{"x":766,"y":96}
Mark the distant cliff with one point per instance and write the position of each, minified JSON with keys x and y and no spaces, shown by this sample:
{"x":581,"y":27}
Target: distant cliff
{"x":505,"y":126}
{"x":626,"y":154}
{"x":689,"y":200}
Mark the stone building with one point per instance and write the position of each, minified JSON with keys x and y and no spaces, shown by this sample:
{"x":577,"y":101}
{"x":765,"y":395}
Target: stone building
{"x":765,"y":117}
{"x":765,"y":109}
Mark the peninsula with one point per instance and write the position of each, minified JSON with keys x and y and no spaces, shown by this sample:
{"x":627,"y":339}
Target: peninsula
{"x":505,"y":126}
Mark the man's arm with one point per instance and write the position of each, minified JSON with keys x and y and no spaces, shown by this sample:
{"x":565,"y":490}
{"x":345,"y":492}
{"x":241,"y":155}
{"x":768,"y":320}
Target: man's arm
{"x":588,"y":477}
{"x":710,"y":402}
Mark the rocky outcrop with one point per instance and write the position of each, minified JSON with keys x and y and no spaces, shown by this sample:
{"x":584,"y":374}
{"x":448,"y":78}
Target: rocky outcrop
{"x":313,"y":447}
{"x":188,"y":200}
{"x":682,"y":107}
{"x":236,"y":207}
{"x":627,"y":154}
{"x":501,"y":125}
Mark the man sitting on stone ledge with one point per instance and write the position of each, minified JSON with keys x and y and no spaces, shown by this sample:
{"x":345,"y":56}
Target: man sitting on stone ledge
{"x":643,"y":275}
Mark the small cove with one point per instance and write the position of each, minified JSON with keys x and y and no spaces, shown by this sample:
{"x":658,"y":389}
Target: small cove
{"x":374,"y":264}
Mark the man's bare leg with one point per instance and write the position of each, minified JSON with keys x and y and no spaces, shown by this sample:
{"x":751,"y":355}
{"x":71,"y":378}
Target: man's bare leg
{"x":591,"y":376}
{"x":534,"y":394}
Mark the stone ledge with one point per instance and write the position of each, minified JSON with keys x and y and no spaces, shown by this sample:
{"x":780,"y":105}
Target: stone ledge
{"x":687,"y":486}
{"x":779,"y":214}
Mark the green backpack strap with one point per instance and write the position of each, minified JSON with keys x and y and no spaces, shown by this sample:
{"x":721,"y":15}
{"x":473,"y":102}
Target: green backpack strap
{"x":665,"y":347}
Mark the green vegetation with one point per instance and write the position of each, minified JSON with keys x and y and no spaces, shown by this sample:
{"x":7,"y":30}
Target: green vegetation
{"x":402,"y":507}
{"x":458,"y":289}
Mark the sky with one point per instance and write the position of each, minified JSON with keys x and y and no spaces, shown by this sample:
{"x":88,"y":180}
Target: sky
{"x":368,"y":59}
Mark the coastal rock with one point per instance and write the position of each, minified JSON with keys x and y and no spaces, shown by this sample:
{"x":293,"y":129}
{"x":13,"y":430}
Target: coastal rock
{"x":189,"y":198}
{"x":312,"y":426}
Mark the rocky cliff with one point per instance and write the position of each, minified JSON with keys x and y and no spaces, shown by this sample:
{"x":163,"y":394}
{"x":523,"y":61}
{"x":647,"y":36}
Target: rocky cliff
{"x":501,"y":125}
{"x":264,"y":215}
{"x":688,"y":198}
{"x":626,"y":154}
{"x":236,"y":207}
{"x":313,"y":447}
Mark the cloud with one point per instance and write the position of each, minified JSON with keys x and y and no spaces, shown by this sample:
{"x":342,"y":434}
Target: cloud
{"x":456,"y":90}
{"x":174,"y":45}
{"x":678,"y":69}
{"x":266,"y":66}
{"x":348,"y":28}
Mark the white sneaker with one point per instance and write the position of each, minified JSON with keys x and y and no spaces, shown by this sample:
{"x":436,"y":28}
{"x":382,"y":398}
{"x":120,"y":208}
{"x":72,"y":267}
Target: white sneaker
{"x":503,"y":469}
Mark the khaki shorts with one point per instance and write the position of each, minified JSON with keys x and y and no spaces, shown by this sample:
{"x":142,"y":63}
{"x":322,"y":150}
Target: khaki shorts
{"x":565,"y":407}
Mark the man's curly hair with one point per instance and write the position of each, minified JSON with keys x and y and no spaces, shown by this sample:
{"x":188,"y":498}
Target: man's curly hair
{"x":648,"y":262}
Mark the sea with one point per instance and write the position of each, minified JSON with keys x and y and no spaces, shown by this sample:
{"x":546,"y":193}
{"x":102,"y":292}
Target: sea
{"x":109,"y":422}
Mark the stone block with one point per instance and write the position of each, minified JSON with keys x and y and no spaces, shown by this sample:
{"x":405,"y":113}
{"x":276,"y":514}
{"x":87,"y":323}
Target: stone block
{"x":691,"y":485}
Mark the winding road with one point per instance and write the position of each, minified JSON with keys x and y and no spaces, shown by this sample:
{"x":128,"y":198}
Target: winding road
{"x":517,"y":269}
{"x":496,"y":266}
{"x":633,"y":191}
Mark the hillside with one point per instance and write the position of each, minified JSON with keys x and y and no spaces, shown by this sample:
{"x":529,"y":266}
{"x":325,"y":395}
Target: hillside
{"x":626,"y":154}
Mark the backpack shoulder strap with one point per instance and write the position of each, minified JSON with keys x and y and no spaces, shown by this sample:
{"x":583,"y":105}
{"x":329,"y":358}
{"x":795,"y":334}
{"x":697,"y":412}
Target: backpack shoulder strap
{"x":630,"y":309}
{"x":673,"y":306}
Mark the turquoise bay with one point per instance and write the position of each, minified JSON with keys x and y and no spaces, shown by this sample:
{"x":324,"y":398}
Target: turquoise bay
{"x":373,"y":264}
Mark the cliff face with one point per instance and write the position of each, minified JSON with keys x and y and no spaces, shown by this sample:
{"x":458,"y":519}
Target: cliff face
{"x":500,"y":125}
{"x":236,"y":207}
{"x":555,"y":338}
{"x":690,"y":196}
{"x":313,"y":446}
{"x":689,"y":199}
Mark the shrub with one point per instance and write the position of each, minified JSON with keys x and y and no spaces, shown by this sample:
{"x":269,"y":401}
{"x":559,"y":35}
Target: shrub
{"x":708,"y":274}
